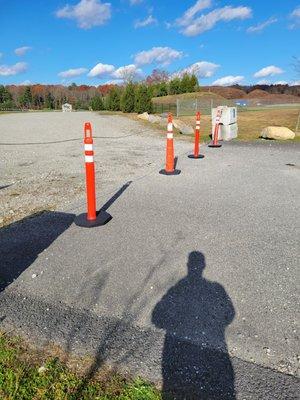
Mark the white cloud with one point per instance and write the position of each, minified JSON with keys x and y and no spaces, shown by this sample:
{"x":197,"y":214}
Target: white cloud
{"x":21,"y":51}
{"x":87,"y":13}
{"x":260,"y":27}
{"x":127,"y":72}
{"x":157,"y":55}
{"x":9,"y":70}
{"x":101,"y":70}
{"x":281,"y":83}
{"x":192,"y":11}
{"x":228,"y":80}
{"x":195,"y":26}
{"x":296,"y":12}
{"x":134,"y":2}
{"x":295,"y":83}
{"x":202,"y":69}
{"x":72,"y":73}
{"x":268,"y":71}
{"x":26,"y":83}
{"x":145,"y":22}
{"x":295,"y":16}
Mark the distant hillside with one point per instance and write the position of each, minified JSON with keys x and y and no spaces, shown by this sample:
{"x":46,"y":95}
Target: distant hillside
{"x":257,"y":91}
{"x":171,"y":99}
{"x":227,"y":93}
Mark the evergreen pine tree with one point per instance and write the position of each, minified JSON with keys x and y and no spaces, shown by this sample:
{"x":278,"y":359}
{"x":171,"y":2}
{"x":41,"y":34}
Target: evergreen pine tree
{"x":174,"y":86}
{"x":185,"y":84}
{"x":49,"y":101}
{"x":162,"y":89}
{"x":194,"y":84}
{"x":143,"y":99}
{"x":128,"y":98}
{"x":96,"y":103}
{"x":114,"y":99}
{"x":26,"y":98}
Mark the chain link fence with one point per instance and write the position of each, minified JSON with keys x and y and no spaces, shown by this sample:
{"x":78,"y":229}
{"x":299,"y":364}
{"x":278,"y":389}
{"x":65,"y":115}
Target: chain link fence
{"x":188,"y":107}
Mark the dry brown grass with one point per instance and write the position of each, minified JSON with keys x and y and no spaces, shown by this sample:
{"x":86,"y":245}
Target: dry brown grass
{"x":251,"y":123}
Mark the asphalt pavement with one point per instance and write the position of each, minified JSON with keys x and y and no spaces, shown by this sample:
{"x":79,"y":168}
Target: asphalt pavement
{"x":193,"y":283}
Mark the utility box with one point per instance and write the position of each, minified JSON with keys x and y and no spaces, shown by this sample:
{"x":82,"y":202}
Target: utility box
{"x":228,"y":123}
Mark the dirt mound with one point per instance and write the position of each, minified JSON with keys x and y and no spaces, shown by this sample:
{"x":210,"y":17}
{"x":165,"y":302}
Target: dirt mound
{"x":257,"y":94}
{"x":227,"y":92}
{"x":268,"y":98}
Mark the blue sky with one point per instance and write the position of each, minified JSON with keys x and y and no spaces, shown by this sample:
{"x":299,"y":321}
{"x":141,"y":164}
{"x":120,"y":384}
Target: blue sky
{"x":98,"y":41}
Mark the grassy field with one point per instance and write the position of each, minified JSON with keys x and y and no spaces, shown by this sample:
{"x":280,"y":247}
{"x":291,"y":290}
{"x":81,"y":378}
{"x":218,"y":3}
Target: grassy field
{"x":32,"y":375}
{"x":251,"y":123}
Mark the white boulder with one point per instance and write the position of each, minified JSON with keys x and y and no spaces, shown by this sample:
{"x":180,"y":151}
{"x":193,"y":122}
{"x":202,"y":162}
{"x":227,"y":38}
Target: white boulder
{"x":277,"y":132}
{"x":144,"y":116}
{"x":182,"y":127}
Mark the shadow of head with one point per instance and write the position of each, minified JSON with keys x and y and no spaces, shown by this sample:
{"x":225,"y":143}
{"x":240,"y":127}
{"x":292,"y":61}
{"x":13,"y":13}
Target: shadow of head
{"x":196,"y":264}
{"x":22,"y":241}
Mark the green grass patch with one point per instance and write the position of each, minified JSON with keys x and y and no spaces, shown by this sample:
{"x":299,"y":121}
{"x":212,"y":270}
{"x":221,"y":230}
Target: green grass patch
{"x":23,"y":376}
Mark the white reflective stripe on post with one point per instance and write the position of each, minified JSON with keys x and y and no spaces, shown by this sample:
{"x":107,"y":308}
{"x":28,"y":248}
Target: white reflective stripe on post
{"x":88,"y":147}
{"x":170,"y":135}
{"x":170,"y":127}
{"x":89,"y":159}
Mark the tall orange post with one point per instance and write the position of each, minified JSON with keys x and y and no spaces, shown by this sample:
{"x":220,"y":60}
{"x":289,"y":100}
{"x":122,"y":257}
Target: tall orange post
{"x":91,"y":218}
{"x":170,"y":160}
{"x":215,"y":142}
{"x":197,"y":154}
{"x":89,"y":172}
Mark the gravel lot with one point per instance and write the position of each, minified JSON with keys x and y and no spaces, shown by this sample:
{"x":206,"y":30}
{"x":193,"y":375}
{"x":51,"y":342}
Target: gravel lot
{"x":50,"y":173}
{"x":195,"y":273}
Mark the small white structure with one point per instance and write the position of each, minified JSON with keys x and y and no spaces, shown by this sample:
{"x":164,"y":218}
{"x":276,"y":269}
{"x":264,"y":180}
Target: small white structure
{"x":228,"y":122}
{"x":66,"y":107}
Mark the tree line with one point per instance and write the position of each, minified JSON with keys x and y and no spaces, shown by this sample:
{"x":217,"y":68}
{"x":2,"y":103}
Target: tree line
{"x":130,"y":97}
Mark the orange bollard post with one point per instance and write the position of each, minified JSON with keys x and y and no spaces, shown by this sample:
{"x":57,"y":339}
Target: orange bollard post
{"x":215,"y":142}
{"x":91,"y":218}
{"x":170,"y":161}
{"x":197,"y":154}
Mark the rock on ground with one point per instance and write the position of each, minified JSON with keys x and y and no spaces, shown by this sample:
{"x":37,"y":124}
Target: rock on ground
{"x":182,"y":127}
{"x":277,"y":132}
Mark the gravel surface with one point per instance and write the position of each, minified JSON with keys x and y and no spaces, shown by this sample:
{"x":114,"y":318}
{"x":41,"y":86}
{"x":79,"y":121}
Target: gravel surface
{"x":41,"y":158}
{"x":194,"y":282}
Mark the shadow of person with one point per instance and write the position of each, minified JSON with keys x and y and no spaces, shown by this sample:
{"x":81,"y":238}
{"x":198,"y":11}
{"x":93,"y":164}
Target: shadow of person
{"x":23,"y":241}
{"x":194,"y":314}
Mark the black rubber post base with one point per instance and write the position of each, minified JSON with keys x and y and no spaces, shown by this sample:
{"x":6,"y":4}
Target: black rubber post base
{"x":102,"y":218}
{"x":164,"y":172}
{"x":214,"y":145}
{"x":196,"y":157}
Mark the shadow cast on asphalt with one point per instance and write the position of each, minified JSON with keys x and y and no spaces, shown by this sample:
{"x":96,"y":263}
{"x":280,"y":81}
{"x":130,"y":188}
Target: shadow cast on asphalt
{"x":22,"y":242}
{"x":194,"y":314}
